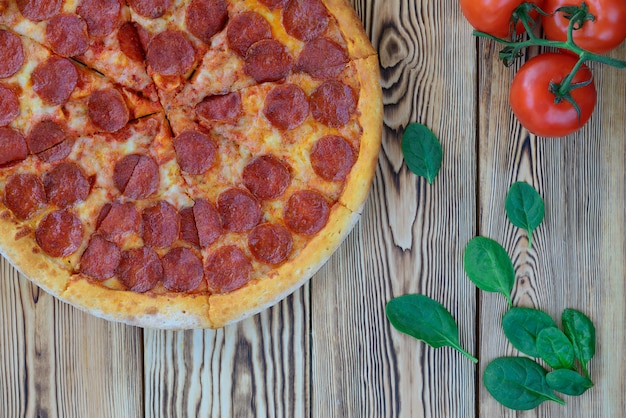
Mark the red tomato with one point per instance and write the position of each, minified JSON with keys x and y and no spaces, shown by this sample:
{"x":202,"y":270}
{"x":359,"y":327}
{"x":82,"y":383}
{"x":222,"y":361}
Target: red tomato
{"x":599,"y":36}
{"x":493,"y":16}
{"x":534,"y":105}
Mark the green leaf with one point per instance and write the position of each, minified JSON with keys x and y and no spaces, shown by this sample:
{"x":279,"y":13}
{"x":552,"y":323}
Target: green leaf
{"x":569,"y":382}
{"x":522,"y":327}
{"x":581,"y":332}
{"x":489,"y":267}
{"x":422,"y":151}
{"x":525,"y":208}
{"x":425,"y":319}
{"x":518,"y":383}
{"x":555,"y":349}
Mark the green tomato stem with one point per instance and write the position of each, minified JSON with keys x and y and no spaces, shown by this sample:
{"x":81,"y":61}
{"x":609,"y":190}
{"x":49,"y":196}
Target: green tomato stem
{"x":565,"y":87}
{"x":584,"y":54}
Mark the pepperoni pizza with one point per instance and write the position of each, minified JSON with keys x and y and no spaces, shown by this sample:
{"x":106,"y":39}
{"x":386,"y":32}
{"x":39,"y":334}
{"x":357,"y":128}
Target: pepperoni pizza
{"x":182,"y":163}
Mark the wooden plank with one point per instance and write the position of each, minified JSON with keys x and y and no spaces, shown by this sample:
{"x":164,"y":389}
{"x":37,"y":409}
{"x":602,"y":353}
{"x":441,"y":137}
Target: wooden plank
{"x":58,"y":361}
{"x":411,"y":237}
{"x":258,"y":367}
{"x":577,"y":259}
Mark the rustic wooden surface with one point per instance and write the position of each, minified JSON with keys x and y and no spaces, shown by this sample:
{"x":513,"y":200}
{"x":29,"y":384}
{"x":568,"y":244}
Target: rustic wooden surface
{"x":328,"y":350}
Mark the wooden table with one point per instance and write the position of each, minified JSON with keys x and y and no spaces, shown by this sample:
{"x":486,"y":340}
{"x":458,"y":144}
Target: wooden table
{"x":328,"y":350}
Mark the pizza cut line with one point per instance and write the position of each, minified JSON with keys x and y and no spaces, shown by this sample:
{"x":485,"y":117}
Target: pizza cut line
{"x":182,"y":163}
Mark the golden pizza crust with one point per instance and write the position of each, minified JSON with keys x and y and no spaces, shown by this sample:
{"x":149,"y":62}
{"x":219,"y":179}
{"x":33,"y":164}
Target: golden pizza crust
{"x":167,"y":311}
{"x":17,"y":244}
{"x":351,"y":27}
{"x":285,"y":279}
{"x":370,"y":110}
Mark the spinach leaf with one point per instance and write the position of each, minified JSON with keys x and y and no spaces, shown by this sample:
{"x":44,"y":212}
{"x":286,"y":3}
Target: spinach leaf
{"x":581,"y":332}
{"x":425,"y":319}
{"x":518,"y":383}
{"x":569,"y":382}
{"x":489,"y":267}
{"x":555,"y":349}
{"x":525,"y":208}
{"x":422,"y":151}
{"x":522,"y":326}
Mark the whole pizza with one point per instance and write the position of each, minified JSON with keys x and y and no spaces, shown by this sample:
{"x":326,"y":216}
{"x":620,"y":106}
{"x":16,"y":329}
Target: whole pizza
{"x":182,"y":163}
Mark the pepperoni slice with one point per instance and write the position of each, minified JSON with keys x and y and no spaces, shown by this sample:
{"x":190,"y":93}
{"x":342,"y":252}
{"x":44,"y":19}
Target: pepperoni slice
{"x":38,"y":10}
{"x":195,"y":152}
{"x":266,"y":177}
{"x":130,"y":42}
{"x":58,"y":152}
{"x":222,"y":108}
{"x":305,"y":19}
{"x":205,"y":18}
{"x":270,"y":243}
{"x":286,"y":106}
{"x":140,"y":269}
{"x":12,"y":147}
{"x":182,"y":270}
{"x":60,"y":233}
{"x":116,"y":220}
{"x":245,"y":29}
{"x":208,"y":223}
{"x":267,"y":60}
{"x":67,"y":34}
{"x":24,"y":195}
{"x":332,"y":158}
{"x":101,"y":16}
{"x":322,"y":58}
{"x":108,"y":110}
{"x":54,"y":80}
{"x":332,"y":103}
{"x":306,"y":212}
{"x":274,"y":4}
{"x":200,"y":224}
{"x":11,"y":54}
{"x":9,"y":105}
{"x":49,"y":141}
{"x":160,"y":225}
{"x":227,"y":269}
{"x":188,"y":229}
{"x":150,"y":8}
{"x":66,"y":184}
{"x":136,"y":176}
{"x":100,"y":259}
{"x":239,"y":210}
{"x":170,"y":53}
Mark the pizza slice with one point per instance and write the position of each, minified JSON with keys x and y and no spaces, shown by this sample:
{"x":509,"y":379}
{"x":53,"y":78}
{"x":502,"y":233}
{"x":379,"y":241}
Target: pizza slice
{"x":97,"y":33}
{"x":320,"y":127}
{"x":49,"y":98}
{"x":217,"y":46}
{"x":256,"y":225}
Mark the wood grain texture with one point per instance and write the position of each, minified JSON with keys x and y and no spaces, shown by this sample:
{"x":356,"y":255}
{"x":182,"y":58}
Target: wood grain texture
{"x":411,"y":236}
{"x":577,"y":259}
{"x":56,"y":361}
{"x":256,"y":368}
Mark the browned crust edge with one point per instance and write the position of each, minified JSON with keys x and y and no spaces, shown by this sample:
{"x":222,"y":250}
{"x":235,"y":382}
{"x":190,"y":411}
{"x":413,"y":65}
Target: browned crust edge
{"x":240,"y":304}
{"x":351,"y":26}
{"x":167,"y":311}
{"x":370,"y":109}
{"x":17,"y":245}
